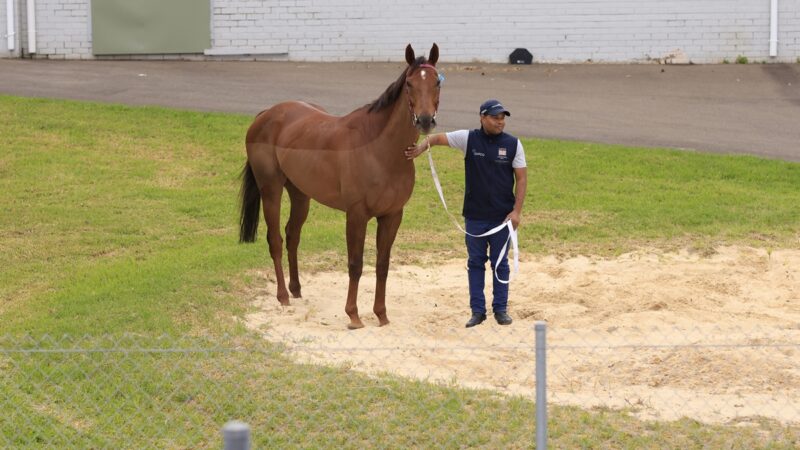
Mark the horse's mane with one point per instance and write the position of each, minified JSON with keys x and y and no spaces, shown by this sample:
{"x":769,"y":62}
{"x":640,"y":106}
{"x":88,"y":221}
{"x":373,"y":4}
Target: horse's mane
{"x":392,"y":93}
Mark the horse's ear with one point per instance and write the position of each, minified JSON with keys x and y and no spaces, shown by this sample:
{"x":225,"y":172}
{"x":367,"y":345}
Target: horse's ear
{"x":433,"y":56}
{"x":409,"y":55}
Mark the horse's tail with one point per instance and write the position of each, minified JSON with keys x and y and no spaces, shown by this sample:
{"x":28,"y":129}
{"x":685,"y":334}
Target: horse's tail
{"x":251,"y":205}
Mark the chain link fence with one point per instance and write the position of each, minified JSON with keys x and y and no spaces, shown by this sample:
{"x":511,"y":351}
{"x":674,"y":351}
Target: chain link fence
{"x":714,"y":387}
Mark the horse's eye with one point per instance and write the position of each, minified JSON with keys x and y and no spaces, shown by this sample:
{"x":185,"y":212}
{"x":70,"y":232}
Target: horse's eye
{"x":408,"y":84}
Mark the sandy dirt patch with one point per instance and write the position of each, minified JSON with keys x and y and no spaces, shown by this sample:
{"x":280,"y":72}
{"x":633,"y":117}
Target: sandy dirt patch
{"x":715,"y":338}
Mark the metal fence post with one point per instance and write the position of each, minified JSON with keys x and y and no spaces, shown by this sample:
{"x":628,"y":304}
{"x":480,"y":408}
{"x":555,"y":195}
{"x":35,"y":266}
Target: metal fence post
{"x":236,"y":435}
{"x":541,"y":385}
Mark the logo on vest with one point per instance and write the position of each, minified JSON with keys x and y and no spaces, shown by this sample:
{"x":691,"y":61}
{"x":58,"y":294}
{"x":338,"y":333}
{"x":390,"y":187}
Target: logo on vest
{"x":502,"y":153}
{"x":477,"y":153}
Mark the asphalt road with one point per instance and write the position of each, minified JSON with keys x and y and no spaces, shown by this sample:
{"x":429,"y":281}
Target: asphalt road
{"x":753,"y":109}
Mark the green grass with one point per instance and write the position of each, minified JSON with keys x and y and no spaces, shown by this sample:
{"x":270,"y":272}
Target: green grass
{"x":603,"y":199}
{"x":120,"y":221}
{"x":140,"y":392}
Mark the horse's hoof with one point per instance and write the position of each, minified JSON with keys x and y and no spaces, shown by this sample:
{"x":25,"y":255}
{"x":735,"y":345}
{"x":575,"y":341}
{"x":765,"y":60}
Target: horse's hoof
{"x":283,"y":302}
{"x":297,"y":294}
{"x":383,"y":322}
{"x":355,"y":325}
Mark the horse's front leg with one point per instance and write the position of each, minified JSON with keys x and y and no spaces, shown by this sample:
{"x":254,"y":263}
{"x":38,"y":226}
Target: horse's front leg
{"x":356,"y":232}
{"x":387,"y":231}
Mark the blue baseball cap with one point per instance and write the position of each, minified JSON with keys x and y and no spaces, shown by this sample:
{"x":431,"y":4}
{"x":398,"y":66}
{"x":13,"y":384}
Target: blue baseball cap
{"x":493,"y":107}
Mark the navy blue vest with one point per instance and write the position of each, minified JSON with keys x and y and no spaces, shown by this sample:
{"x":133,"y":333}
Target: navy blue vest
{"x":489,"y":193}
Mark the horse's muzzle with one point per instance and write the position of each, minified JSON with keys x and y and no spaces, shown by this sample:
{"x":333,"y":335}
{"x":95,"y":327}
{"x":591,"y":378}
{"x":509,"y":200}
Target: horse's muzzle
{"x":425,"y":123}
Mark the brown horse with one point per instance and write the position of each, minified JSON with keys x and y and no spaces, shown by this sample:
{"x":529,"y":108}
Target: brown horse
{"x":353,"y":163}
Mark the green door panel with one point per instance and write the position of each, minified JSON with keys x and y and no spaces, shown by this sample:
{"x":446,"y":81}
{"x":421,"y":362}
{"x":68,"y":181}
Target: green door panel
{"x":122,"y":27}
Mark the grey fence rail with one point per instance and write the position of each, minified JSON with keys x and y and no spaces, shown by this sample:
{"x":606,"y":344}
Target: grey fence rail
{"x":714,"y":387}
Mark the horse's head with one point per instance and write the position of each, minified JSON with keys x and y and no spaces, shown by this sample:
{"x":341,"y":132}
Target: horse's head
{"x":422,"y":86}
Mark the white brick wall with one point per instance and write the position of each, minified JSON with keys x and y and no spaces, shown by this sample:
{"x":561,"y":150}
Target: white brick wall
{"x":63,"y":29}
{"x":4,"y":52}
{"x":469,"y":30}
{"x":706,"y":31}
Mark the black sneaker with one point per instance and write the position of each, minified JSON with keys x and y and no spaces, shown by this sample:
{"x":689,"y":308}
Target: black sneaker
{"x":502,"y":318}
{"x":476,"y":319}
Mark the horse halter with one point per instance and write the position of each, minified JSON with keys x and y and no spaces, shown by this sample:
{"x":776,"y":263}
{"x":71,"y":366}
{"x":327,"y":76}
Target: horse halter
{"x":408,"y":94}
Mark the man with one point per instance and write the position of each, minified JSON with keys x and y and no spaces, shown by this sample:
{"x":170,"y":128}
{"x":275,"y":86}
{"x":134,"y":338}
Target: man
{"x":496,"y":179}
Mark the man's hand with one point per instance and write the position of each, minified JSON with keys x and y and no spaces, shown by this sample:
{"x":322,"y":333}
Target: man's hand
{"x":415,"y":150}
{"x":513,"y":216}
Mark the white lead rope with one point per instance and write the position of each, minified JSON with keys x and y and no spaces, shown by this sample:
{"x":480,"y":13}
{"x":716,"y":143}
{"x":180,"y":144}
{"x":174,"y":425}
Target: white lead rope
{"x":512,"y":233}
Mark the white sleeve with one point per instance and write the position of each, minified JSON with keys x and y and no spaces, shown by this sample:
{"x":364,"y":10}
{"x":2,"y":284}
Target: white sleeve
{"x":519,"y":158}
{"x":458,"y":139}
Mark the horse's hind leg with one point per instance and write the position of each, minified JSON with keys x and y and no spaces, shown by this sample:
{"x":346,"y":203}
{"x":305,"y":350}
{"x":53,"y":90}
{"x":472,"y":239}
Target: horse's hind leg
{"x":297,"y":217}
{"x":271,"y":200}
{"x":387,"y":231}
